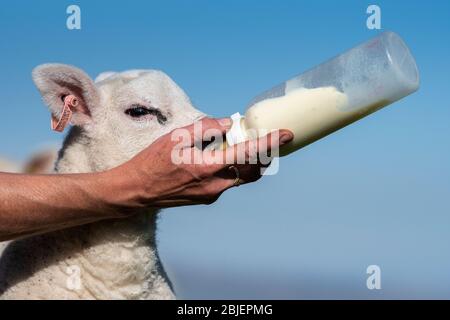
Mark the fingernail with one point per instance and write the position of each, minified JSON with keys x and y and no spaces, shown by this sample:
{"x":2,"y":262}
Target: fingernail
{"x":285,"y":138}
{"x":225,"y":122}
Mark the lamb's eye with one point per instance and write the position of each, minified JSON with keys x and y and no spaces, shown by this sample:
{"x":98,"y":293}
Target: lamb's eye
{"x":138,"y":111}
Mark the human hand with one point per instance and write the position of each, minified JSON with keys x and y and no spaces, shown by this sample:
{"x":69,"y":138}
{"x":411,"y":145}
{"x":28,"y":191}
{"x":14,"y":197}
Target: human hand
{"x":153,"y":179}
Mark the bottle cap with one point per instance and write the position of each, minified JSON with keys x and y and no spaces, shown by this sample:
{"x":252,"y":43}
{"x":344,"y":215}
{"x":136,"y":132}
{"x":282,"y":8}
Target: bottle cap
{"x":236,"y":134}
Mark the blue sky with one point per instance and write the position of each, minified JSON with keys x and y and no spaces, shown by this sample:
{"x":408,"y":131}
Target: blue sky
{"x":376,"y":192}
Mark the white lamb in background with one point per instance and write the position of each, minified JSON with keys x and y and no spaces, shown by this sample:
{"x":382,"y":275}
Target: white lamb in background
{"x":115,"y":259}
{"x":41,"y":161}
{"x":7,"y":165}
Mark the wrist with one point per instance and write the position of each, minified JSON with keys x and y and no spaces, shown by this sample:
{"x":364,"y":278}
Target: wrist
{"x":119,"y":191}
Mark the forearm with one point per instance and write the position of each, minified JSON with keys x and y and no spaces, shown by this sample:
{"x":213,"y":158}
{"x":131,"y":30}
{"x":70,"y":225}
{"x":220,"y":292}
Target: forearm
{"x":41,"y":203}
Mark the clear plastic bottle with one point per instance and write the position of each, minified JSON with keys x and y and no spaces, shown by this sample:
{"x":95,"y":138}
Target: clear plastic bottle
{"x":332,"y":95}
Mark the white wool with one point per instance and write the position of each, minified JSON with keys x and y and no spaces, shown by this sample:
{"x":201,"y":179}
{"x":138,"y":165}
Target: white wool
{"x":115,"y":259}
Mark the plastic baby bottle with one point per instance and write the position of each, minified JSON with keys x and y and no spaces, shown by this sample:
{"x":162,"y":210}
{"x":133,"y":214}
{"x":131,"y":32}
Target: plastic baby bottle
{"x":332,"y":95}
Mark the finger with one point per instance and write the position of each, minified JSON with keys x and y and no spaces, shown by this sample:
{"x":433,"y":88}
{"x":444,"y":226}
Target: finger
{"x":209,"y":191}
{"x":208,"y":126}
{"x":201,"y":131}
{"x":249,"y":172}
{"x":211,"y":133}
{"x":221,"y":124}
{"x":250,"y":151}
{"x":175,"y":203}
{"x":228,"y":183}
{"x":236,"y":175}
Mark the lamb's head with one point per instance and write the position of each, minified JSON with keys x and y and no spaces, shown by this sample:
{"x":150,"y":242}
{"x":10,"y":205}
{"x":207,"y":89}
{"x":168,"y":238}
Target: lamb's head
{"x":119,"y":114}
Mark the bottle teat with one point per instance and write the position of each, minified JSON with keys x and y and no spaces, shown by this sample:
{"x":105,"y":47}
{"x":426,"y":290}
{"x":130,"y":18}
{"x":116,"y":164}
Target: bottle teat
{"x":236,"y":133}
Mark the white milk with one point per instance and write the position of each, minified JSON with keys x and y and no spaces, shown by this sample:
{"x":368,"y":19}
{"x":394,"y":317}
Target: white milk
{"x":309,"y":113}
{"x":333,"y":94}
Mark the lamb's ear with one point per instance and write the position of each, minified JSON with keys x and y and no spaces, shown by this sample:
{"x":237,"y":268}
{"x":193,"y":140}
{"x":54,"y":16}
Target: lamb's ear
{"x":55,"y":81}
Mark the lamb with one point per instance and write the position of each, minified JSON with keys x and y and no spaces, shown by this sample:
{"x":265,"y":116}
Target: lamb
{"x":7,"y":165}
{"x":42,"y":161}
{"x":120,"y":114}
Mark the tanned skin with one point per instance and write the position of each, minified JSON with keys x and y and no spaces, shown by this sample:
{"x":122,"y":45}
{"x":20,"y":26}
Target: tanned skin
{"x":31,"y":204}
